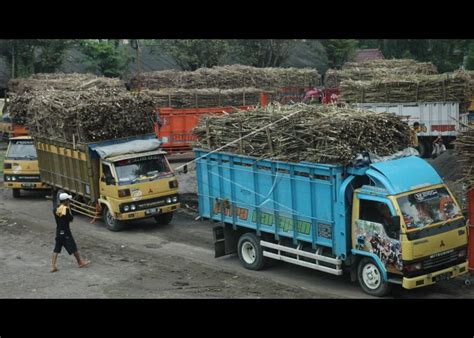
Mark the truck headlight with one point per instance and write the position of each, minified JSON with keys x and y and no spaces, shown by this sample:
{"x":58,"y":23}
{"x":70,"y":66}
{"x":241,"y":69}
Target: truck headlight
{"x":8,"y":178}
{"x":413,"y":267}
{"x":175,"y":199}
{"x":13,"y":178}
{"x":168,"y":200}
{"x":132,"y":207}
{"x":462,"y":253}
{"x":126,"y":208}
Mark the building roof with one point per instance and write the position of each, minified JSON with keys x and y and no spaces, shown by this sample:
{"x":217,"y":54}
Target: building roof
{"x":368,"y":54}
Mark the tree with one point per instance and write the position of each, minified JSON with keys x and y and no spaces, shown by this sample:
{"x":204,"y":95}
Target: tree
{"x":191,"y":54}
{"x":108,"y":57}
{"x":262,"y":53}
{"x":470,"y":57}
{"x":30,"y":56}
{"x":339,"y":51}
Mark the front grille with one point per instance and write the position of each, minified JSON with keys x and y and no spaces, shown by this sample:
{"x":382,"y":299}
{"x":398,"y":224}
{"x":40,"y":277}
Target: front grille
{"x":436,"y":262}
{"x":440,"y":260}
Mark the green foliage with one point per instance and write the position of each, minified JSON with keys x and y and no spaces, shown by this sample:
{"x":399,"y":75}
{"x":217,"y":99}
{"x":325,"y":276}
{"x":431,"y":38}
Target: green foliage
{"x":33,"y":55}
{"x":108,"y":57}
{"x":191,"y":54}
{"x":470,"y":57}
{"x":446,"y":55}
{"x":262,"y":53}
{"x":339,"y":51}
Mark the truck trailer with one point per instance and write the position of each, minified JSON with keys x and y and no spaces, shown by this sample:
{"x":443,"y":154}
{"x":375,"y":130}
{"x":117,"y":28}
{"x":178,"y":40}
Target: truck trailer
{"x":388,"y":222}
{"x":438,"y":119}
{"x":118,"y":179}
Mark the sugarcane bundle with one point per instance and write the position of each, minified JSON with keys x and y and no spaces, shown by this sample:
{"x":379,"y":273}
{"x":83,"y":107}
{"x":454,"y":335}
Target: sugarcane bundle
{"x":206,"y":97}
{"x":300,"y":132}
{"x":410,"y":88}
{"x":471,"y":74}
{"x":422,"y":67}
{"x":228,"y":77}
{"x":377,"y":69}
{"x":62,"y":81}
{"x":464,"y":148}
{"x":90,"y":115}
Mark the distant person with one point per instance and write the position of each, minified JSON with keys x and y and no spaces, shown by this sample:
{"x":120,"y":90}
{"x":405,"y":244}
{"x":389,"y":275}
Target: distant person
{"x":414,"y":135}
{"x":438,"y":147}
{"x":63,"y":217}
{"x":312,"y":95}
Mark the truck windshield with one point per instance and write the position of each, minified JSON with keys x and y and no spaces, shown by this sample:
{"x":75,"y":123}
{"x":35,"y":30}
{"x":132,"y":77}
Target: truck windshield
{"x":428,"y":207}
{"x":21,"y":149}
{"x":145,"y":167}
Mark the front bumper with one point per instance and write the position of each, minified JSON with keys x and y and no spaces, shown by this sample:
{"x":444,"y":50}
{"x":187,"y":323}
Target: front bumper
{"x":428,"y":279}
{"x":25,"y":185}
{"x":143,"y":213}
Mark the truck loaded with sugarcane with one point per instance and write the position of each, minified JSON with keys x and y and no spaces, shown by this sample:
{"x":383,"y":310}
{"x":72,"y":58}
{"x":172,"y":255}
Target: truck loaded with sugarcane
{"x":282,"y":191}
{"x":103,"y":152}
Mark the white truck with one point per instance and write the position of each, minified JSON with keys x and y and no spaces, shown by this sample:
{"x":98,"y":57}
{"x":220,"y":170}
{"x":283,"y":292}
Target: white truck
{"x":437,"y":119}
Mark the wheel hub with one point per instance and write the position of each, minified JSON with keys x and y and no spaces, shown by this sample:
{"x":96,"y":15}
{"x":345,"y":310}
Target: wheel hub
{"x":371,"y":276}
{"x":248,"y":253}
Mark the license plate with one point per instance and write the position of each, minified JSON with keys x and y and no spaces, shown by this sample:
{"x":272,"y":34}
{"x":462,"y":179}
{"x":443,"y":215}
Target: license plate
{"x":28,"y":185}
{"x":152,"y":211}
{"x":443,"y":276}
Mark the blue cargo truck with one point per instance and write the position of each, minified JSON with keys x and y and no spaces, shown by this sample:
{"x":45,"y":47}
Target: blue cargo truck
{"x":384,"y":223}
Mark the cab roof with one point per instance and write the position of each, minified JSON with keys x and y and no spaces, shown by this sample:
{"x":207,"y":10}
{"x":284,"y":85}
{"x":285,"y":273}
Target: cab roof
{"x":21,"y":138}
{"x":403,"y":175}
{"x":134,"y":155}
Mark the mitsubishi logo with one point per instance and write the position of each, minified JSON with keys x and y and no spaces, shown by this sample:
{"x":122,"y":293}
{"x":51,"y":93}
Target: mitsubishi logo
{"x":442,"y":244}
{"x":150,"y":191}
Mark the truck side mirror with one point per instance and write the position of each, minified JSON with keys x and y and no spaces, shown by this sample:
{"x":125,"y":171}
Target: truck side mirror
{"x":109,"y":180}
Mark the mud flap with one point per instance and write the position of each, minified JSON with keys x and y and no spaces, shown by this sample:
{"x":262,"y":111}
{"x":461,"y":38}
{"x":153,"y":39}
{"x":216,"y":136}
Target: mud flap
{"x":225,"y":240}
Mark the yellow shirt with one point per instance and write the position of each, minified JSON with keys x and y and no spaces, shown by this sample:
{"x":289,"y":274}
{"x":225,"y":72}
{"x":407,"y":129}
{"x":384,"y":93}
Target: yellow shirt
{"x":414,"y":136}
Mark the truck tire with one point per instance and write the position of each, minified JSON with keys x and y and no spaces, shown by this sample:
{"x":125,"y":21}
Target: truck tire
{"x":16,"y":193}
{"x":164,"y":219}
{"x":250,"y":252}
{"x":112,"y":223}
{"x":371,"y":279}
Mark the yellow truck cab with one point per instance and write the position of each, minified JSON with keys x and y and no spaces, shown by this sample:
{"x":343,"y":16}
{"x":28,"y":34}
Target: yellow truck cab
{"x":120,"y":180}
{"x":20,"y":167}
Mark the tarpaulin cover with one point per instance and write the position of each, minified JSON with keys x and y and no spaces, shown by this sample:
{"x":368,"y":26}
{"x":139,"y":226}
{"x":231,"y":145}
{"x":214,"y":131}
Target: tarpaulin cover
{"x":130,"y":147}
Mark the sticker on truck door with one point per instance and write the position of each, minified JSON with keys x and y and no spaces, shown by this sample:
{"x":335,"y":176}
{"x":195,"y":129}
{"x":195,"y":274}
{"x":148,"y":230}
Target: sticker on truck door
{"x":136,"y":194}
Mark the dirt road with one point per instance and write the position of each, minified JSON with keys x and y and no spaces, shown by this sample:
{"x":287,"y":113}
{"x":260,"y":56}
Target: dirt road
{"x":150,"y":261}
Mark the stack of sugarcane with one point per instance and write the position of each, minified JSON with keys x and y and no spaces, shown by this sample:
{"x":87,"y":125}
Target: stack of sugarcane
{"x":325,"y":134}
{"x":376,"y":69}
{"x":21,"y":90}
{"x":228,"y":77}
{"x":62,"y":81}
{"x":410,"y":88}
{"x":91,"y":115}
{"x":206,"y":97}
{"x":464,"y":147}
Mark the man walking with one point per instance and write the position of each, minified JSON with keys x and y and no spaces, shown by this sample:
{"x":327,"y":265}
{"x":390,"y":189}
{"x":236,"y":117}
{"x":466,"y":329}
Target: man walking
{"x":64,"y":238}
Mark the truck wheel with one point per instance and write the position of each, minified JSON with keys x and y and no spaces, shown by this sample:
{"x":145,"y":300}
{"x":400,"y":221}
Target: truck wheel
{"x":16,"y":193}
{"x":371,"y":279}
{"x":164,"y":219}
{"x":111,"y":222}
{"x":250,"y":252}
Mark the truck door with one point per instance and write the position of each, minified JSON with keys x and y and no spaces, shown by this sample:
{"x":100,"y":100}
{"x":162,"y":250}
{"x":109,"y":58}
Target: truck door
{"x":107,"y":181}
{"x":376,"y":229}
